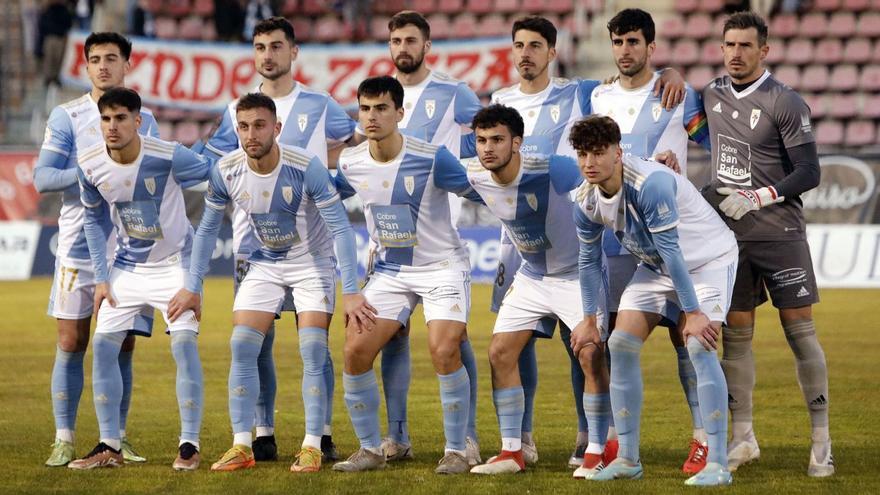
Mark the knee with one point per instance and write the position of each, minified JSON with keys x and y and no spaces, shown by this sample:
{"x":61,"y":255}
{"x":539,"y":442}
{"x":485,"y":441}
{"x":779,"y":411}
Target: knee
{"x":313,"y":349}
{"x":356,"y":356}
{"x":73,"y":342}
{"x":501,"y":356}
{"x":446,"y":354}
{"x":590,"y":358}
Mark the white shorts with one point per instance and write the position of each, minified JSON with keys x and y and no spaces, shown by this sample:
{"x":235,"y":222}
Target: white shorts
{"x":652,"y":292}
{"x":529,"y":301}
{"x":265,"y":288}
{"x":73,"y":293}
{"x":241,"y":267}
{"x":140,"y":292}
{"x":445,"y":294}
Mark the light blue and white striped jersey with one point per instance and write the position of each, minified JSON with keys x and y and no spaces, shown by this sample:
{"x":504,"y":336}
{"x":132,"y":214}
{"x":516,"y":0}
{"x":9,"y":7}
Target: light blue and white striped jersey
{"x":655,"y":199}
{"x":536,"y":210}
{"x":550,"y":114}
{"x":281,"y":207}
{"x":406,"y":208}
{"x":75,"y":126}
{"x":646,"y":128}
{"x":438,"y":110}
{"x":310,"y":119}
{"x":145,"y":199}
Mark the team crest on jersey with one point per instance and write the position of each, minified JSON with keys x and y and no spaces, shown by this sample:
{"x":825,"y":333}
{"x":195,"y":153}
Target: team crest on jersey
{"x":430,"y":106}
{"x":150,"y":185}
{"x":554,"y":113}
{"x":287,"y":194}
{"x":409,"y":183}
{"x":756,"y":116}
{"x":532,"y":200}
{"x":655,"y":111}
{"x":302,"y":120}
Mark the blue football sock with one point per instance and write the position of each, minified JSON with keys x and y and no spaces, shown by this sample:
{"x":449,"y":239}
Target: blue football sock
{"x":396,"y":370}
{"x":185,"y":349}
{"x":509,"y":406}
{"x":362,"y":401}
{"x":626,"y":391}
{"x":67,"y":386}
{"x":313,"y":349}
{"x":598,"y":410}
{"x":577,"y":377}
{"x":455,"y":392}
{"x":244,"y":379}
{"x":107,"y":382}
{"x":470,"y":364}
{"x":712,"y":389}
{"x":265,"y":408}
{"x":688,"y":378}
{"x":125,"y":368}
{"x":330,"y":387}
{"x":528,"y":375}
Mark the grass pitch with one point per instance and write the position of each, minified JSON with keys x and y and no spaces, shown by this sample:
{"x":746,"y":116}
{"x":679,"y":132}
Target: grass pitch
{"x":845,"y":319}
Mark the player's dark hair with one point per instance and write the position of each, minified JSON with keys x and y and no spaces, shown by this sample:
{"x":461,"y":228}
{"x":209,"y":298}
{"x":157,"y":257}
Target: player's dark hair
{"x":746,"y":20}
{"x":537,"y":24}
{"x":594,"y":132}
{"x":108,"y":38}
{"x":120,"y":97}
{"x":380,"y":85}
{"x":407,"y":17}
{"x":629,"y":20}
{"x":499,"y":114}
{"x":252,"y":101}
{"x":274,"y":24}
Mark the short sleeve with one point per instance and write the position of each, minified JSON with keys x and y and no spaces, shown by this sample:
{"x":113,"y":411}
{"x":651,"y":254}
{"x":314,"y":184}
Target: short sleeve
{"x":319,"y":184}
{"x":657,"y":202}
{"x":339,"y":126}
{"x":224,"y":139}
{"x":217,"y":195}
{"x":564,"y":174}
{"x":793,"y":119}
{"x":467,"y":104}
{"x":59,"y":136}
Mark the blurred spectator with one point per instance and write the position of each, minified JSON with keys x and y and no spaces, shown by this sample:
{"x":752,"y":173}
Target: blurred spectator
{"x":733,"y":6}
{"x":143,"y":23}
{"x":110,"y":15}
{"x":84,"y":9}
{"x":229,"y":20}
{"x":254,"y":12}
{"x":358,"y":15}
{"x":54,"y":23}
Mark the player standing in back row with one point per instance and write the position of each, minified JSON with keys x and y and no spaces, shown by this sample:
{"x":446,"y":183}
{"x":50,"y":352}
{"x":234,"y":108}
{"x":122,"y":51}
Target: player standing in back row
{"x":764,"y":155}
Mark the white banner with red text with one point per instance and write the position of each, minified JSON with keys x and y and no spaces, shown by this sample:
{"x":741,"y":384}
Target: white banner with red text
{"x":207,"y":76}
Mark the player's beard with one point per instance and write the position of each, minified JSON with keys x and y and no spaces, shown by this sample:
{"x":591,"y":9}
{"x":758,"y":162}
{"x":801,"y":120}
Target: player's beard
{"x":633,"y":69}
{"x":407,"y":65}
{"x":501,"y":162}
{"x":277,"y":74}
{"x":533,"y":73}
{"x":263,"y":150}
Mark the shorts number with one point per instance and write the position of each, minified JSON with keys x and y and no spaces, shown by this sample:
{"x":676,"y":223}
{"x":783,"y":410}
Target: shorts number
{"x":68,"y":275}
{"x":241,"y":269}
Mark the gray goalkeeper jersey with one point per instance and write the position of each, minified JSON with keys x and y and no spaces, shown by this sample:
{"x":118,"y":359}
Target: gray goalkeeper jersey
{"x":750,"y":131}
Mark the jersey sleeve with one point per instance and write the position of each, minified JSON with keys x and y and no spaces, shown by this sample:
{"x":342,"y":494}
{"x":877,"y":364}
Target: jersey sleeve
{"x":189,"y":167}
{"x":793,"y":119}
{"x":339,"y":126}
{"x":217,"y":196}
{"x":467,"y":104}
{"x":564,"y":174}
{"x":657,"y":202}
{"x":695,"y":122}
{"x":589,"y":260}
{"x":468,"y":145}
{"x":343,"y":187}
{"x":585,"y":88}
{"x":89,"y":194}
{"x":149,"y":126}
{"x":319,"y":185}
{"x":450,"y":175}
{"x":202,"y":247}
{"x":224,"y":139}
{"x":59,"y":136}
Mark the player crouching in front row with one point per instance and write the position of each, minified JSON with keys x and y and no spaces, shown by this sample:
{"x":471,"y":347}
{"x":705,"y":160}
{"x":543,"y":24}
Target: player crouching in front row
{"x":688,"y":258}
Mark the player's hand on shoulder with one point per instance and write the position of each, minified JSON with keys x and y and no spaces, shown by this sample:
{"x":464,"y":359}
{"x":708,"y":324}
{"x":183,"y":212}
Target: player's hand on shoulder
{"x":183,"y":301}
{"x":358,"y":312}
{"x":671,"y":83}
{"x":611,"y":79}
{"x":103,"y":292}
{"x":669,"y":159}
{"x":698,"y":326}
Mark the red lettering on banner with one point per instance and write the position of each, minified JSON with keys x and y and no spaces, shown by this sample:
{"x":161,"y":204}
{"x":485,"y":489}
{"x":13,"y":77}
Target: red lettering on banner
{"x":382,"y":67}
{"x":432,"y":58}
{"x":300,"y":76}
{"x":240,"y":78}
{"x":498,"y":70}
{"x":199,"y":61}
{"x":349,"y":65}
{"x":80,"y":61}
{"x":469,"y":63}
{"x":159,"y":60}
